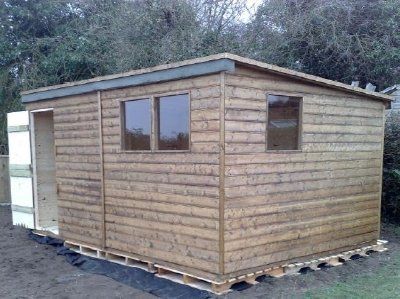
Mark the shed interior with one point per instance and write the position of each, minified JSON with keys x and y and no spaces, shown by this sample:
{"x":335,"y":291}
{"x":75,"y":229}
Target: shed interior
{"x":44,"y":171}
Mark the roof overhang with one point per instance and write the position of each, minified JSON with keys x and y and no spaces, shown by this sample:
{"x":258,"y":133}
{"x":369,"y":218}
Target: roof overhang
{"x":224,"y":62}
{"x":156,"y":76}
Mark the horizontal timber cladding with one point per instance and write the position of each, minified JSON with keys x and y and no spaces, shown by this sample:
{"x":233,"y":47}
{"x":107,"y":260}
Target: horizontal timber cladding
{"x":226,"y":206}
{"x":282,"y":206}
{"x":76,"y":138}
{"x":165,"y":205}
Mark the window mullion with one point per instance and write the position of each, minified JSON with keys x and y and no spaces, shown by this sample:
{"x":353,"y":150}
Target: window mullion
{"x":154,"y":125}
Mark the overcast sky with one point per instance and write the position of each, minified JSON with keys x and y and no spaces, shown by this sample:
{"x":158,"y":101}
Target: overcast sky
{"x":252,"y":4}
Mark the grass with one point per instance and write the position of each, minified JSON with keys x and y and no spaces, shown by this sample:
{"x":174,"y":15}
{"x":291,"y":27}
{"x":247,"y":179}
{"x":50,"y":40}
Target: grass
{"x":382,"y":283}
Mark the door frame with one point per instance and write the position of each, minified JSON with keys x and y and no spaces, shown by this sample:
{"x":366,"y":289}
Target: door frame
{"x":32,"y":114}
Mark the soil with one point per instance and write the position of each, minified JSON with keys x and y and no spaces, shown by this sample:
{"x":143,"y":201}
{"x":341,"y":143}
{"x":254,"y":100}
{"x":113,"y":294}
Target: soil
{"x":32,"y":270}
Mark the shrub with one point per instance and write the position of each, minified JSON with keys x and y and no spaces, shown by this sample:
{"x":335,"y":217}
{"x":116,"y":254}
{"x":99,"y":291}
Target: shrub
{"x":391,"y":169}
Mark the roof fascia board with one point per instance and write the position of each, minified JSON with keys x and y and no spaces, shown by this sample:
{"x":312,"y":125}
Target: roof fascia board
{"x":185,"y":71}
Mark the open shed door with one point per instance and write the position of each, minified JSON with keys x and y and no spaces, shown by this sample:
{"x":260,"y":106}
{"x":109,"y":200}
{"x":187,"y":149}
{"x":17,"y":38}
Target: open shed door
{"x":20,"y":169}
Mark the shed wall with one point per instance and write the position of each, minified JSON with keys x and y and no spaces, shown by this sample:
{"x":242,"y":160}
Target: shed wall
{"x":284,"y":206}
{"x":165,"y":205}
{"x":275,"y":206}
{"x":77,"y":157}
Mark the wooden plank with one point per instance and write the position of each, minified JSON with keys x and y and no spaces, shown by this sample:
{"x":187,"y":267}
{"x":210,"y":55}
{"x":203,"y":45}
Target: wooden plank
{"x":209,"y":125}
{"x":89,"y":216}
{"x":210,"y":234}
{"x":71,"y":205}
{"x":290,"y":196}
{"x":167,"y":167}
{"x":59,"y":135}
{"x":172,"y":198}
{"x":245,"y":115}
{"x":338,"y":129}
{"x":321,"y":234}
{"x":203,"y":115}
{"x":277,"y":157}
{"x":244,"y":137}
{"x":77,"y":174}
{"x":259,"y":179}
{"x":79,"y":165}
{"x":340,"y":138}
{"x":222,"y":149}
{"x":245,"y":126}
{"x":200,"y":83}
{"x":313,"y":227}
{"x":192,"y":241}
{"x":160,"y":158}
{"x":78,"y":141}
{"x":299,"y":186}
{"x":347,"y":120}
{"x":206,"y":191}
{"x":204,"y":103}
{"x":310,"y":165}
{"x":301,"y":217}
{"x":163,"y":255}
{"x":85,"y":107}
{"x":77,"y":237}
{"x":340,"y":110}
{"x":71,"y":150}
{"x":76,"y":117}
{"x":244,"y":217}
{"x":102,"y":191}
{"x":164,"y":246}
{"x":302,"y":251}
{"x":162,"y":207}
{"x":338,"y":147}
{"x":205,"y":136}
{"x":381,"y":167}
{"x":80,"y":198}
{"x":167,"y":178}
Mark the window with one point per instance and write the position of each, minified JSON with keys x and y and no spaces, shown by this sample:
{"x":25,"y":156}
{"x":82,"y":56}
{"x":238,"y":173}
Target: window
{"x":173,"y":122}
{"x":283,"y":131}
{"x":169,"y":119}
{"x":137,"y":124}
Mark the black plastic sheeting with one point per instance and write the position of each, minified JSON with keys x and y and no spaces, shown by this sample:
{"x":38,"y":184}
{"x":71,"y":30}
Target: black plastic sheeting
{"x":134,"y":277}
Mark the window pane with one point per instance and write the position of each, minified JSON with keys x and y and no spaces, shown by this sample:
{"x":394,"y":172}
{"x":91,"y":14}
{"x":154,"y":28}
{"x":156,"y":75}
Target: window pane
{"x":137,"y":125}
{"x":283,"y":123}
{"x":173,"y":122}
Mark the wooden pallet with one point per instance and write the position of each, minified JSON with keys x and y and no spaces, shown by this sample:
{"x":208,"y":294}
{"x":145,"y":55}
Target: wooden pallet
{"x":225,"y":286}
{"x":111,"y":256}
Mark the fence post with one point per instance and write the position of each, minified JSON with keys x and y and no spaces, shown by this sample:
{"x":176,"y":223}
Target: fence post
{"x":5,"y":196}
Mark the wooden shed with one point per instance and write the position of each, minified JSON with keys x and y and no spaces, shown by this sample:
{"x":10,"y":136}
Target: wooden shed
{"x":214,"y":167}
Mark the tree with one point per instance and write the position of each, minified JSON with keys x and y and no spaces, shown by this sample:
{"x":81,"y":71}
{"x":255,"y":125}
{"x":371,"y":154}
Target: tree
{"x":341,"y":40}
{"x":44,"y":43}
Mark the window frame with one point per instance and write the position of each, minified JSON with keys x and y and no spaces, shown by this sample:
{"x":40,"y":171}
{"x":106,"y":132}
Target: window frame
{"x":154,"y":120}
{"x":300,"y":125}
{"x":122,"y":123}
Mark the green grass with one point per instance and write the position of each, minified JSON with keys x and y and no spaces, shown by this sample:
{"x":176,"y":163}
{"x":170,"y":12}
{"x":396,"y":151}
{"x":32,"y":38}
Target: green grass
{"x":384,"y":283}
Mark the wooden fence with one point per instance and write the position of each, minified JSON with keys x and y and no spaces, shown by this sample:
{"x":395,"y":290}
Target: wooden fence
{"x":4,"y":181}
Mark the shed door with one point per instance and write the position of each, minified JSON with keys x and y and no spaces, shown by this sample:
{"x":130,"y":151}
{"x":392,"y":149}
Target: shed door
{"x":20,"y":169}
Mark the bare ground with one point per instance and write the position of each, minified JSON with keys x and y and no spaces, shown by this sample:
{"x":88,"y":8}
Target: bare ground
{"x":32,"y":270}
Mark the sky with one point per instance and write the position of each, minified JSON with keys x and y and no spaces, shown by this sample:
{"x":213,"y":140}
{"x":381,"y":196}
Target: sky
{"x":252,"y":5}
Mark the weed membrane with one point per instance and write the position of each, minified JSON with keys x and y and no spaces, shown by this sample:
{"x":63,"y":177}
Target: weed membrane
{"x":134,"y":277}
